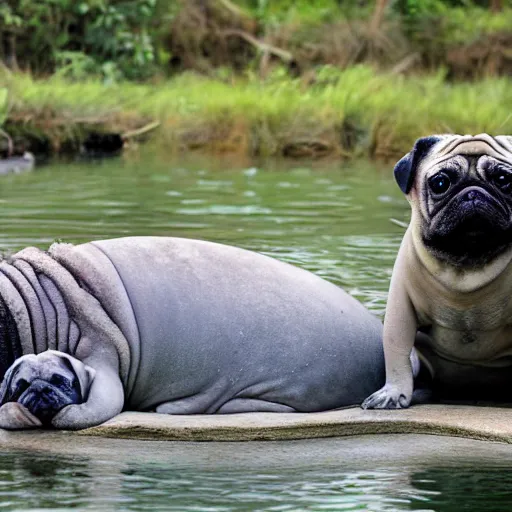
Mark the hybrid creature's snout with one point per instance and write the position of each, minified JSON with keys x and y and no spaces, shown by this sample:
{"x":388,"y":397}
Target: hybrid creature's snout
{"x":45,"y":399}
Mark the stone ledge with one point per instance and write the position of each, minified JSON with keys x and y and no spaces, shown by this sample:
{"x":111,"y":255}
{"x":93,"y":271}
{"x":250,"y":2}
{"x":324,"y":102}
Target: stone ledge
{"x":473,"y":422}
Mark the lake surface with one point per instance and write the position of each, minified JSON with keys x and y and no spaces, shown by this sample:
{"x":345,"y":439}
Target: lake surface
{"x":331,"y":219}
{"x":334,"y":220}
{"x":374,"y":473}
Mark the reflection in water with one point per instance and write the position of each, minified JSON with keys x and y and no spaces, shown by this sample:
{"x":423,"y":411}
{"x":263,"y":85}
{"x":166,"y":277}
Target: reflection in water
{"x":437,"y":489}
{"x":265,"y":491}
{"x":36,"y":481}
{"x":479,"y":488}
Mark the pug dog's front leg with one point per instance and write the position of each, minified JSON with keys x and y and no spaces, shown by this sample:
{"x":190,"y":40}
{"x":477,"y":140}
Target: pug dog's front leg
{"x":397,"y":392}
{"x":400,"y":326}
{"x":104,"y":401}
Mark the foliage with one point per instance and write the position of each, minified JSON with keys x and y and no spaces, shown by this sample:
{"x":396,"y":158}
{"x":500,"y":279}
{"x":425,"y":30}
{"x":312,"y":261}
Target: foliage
{"x":3,"y":105}
{"x":138,"y":39}
{"x":465,"y":25}
{"x":455,"y":21}
{"x":104,"y":37}
{"x":270,"y":12}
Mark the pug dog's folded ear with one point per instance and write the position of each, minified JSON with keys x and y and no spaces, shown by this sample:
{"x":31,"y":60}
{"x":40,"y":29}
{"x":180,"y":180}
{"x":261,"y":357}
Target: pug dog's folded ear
{"x":5,"y":386}
{"x":405,"y":169}
{"x":84,"y":373}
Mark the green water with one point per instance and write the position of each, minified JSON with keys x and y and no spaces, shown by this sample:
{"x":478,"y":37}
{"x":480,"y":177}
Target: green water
{"x":365,"y":473}
{"x":333,"y":220}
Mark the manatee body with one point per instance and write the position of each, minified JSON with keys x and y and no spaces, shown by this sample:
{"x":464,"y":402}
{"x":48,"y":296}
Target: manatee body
{"x":185,"y":327}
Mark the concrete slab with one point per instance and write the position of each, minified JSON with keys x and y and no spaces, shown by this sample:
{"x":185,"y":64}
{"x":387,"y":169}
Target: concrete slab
{"x":472,"y":422}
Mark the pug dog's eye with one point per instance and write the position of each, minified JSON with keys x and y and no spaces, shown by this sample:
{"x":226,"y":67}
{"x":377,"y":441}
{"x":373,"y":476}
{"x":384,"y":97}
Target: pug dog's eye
{"x":503,"y":180}
{"x":439,"y":183}
{"x":59,"y":381}
{"x":21,"y":386}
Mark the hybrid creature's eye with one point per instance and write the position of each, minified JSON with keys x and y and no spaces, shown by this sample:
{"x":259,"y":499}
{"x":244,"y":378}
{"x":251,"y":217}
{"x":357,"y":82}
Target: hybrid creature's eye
{"x":21,"y":386}
{"x":439,"y":183}
{"x":59,"y":381}
{"x":503,"y":180}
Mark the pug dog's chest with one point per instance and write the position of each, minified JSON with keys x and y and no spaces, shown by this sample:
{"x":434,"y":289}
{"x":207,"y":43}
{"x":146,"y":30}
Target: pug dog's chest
{"x":470,"y":335}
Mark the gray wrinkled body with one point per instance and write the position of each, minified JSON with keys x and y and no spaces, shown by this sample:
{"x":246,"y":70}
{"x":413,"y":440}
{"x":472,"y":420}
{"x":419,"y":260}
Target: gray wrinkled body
{"x":196,"y":327}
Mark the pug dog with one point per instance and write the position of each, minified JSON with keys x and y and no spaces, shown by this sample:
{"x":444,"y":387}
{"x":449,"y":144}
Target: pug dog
{"x":37,"y":387}
{"x":450,"y":295}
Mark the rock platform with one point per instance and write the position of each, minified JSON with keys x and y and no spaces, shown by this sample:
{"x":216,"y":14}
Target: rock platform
{"x":468,"y":421}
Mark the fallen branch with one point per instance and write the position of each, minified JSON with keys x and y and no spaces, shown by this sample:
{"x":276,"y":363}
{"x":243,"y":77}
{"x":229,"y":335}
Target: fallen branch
{"x":140,"y":131}
{"x":261,"y":46}
{"x":405,"y":64}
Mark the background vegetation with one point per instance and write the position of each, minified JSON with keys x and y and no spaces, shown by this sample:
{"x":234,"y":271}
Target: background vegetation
{"x":283,"y":77}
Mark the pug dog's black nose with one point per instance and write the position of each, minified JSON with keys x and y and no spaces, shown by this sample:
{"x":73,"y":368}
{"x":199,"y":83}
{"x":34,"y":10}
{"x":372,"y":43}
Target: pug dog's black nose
{"x":472,"y":196}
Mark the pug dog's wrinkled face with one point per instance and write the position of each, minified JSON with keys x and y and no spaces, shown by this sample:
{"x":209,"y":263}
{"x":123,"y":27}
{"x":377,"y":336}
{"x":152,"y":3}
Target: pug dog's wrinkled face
{"x":467,"y":209}
{"x":46,"y":383}
{"x":463,"y":193}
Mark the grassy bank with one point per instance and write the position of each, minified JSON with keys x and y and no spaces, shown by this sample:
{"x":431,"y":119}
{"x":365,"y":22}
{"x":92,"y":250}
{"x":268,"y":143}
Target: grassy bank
{"x":355,"y":112}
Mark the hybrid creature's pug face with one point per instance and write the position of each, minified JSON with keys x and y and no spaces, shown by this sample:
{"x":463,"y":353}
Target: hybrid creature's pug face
{"x":46,"y":383}
{"x":461,"y":190}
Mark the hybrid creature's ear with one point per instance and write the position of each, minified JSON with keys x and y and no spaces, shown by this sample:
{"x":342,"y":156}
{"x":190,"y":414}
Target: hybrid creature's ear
{"x":405,"y":169}
{"x":5,"y":387}
{"x":84,"y":373}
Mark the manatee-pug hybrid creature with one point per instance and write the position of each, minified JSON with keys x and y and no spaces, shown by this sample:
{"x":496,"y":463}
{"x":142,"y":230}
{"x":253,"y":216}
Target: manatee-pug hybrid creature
{"x":178,"y":326}
{"x":451,"y":288}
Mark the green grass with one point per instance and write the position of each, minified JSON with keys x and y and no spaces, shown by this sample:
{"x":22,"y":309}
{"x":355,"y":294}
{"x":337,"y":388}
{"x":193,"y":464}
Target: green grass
{"x":270,"y":12}
{"x":3,"y":105}
{"x":464,"y":25}
{"x":355,"y":112}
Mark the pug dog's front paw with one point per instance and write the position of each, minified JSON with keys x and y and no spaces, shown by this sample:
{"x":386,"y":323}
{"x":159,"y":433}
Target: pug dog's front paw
{"x":388,"y":397}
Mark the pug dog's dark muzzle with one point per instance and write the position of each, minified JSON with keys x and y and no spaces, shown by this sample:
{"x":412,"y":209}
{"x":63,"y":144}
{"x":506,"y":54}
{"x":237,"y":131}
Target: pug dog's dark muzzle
{"x":469,"y":227}
{"x":45,"y":399}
